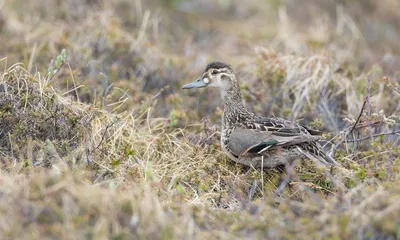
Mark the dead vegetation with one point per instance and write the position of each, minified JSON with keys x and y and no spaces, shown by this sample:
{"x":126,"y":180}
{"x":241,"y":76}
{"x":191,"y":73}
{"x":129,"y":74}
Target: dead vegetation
{"x":102,"y":144}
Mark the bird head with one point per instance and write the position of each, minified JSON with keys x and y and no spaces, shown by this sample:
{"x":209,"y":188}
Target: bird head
{"x":216,"y":74}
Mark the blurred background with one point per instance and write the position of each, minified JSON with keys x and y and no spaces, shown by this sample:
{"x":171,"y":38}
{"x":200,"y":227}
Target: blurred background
{"x":298,"y":59}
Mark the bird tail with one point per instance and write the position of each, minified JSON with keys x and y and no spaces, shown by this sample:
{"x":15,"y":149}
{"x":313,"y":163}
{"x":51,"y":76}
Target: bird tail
{"x":315,"y":152}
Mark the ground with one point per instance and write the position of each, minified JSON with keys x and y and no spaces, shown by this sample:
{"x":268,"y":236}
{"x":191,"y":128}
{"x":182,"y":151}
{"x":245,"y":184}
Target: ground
{"x":97,"y":140}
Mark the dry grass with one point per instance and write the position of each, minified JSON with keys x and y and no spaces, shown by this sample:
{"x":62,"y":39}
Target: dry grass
{"x":109,"y":148}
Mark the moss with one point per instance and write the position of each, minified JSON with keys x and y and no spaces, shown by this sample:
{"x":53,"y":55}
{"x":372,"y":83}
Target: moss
{"x":361,"y":174}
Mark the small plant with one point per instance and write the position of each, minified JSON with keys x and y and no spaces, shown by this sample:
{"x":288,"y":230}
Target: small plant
{"x":57,"y":64}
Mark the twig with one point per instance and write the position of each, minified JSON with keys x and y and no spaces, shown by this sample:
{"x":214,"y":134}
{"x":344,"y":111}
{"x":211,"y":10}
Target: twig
{"x":282,"y":186}
{"x":105,"y":94}
{"x":135,"y":112}
{"x":262,"y":173}
{"x":73,"y":81}
{"x":89,"y":154}
{"x":286,"y":180}
{"x":390,"y":166}
{"x":369,"y":107}
{"x":104,"y":134}
{"x":375,"y":135}
{"x":389,"y":83}
{"x":358,"y":118}
{"x":219,"y":200}
{"x":369,"y":83}
{"x":253,"y":189}
{"x":348,"y":131}
{"x":50,"y":77}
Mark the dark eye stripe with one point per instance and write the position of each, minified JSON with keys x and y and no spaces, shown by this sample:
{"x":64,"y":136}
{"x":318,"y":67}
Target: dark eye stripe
{"x":216,"y":71}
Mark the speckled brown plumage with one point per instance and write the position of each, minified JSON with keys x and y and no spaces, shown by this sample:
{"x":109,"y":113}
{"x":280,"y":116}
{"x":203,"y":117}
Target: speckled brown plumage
{"x":257,"y":141}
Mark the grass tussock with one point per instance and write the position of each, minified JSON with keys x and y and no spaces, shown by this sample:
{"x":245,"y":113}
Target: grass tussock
{"x":97,"y":141}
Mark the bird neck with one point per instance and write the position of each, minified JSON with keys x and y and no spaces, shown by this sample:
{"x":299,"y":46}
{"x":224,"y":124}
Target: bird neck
{"x":234,"y":110}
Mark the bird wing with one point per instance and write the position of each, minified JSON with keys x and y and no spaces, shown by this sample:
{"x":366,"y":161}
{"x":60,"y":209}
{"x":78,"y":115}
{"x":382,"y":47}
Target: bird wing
{"x":281,"y":125}
{"x":264,"y":134}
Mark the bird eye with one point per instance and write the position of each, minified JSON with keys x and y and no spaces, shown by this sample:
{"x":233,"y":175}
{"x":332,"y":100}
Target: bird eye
{"x":214,"y":72}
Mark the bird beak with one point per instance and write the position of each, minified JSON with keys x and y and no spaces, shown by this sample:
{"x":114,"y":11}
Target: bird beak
{"x":199,"y":83}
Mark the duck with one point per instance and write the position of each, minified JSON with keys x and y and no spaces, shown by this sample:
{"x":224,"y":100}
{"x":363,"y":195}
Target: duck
{"x":253,"y":140}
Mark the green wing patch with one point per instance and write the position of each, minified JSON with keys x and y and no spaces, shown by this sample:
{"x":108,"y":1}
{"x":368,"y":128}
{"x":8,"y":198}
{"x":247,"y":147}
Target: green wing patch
{"x":261,"y":146}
